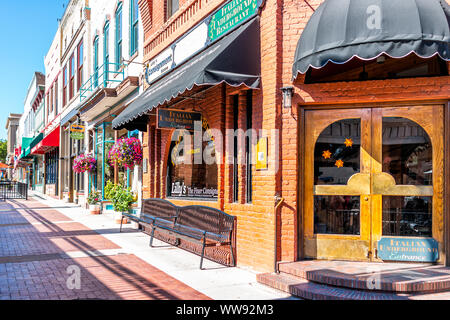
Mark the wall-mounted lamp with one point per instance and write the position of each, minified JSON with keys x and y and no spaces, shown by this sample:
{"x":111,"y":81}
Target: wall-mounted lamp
{"x":288,"y":93}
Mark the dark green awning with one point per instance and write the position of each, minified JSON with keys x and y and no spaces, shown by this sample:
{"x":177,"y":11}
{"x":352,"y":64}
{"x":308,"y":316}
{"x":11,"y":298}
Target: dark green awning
{"x":234,"y":60}
{"x":340,"y":30}
{"x":26,"y":147}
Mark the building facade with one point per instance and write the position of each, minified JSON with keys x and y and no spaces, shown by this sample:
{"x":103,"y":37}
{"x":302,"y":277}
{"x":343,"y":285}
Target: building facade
{"x":29,"y":167}
{"x":12,"y":125}
{"x":115,"y":69}
{"x":347,"y":141}
{"x":74,"y":56}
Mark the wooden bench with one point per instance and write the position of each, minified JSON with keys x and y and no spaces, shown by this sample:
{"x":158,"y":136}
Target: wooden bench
{"x":204,"y":225}
{"x":153,"y":210}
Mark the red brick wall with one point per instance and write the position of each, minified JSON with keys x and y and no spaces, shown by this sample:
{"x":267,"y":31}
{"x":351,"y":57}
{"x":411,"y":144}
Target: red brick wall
{"x":281,"y":25}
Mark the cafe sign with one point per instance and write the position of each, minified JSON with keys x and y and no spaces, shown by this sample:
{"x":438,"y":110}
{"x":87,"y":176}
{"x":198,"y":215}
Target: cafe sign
{"x":408,"y":249}
{"x":77,"y":132}
{"x":176,"y":119}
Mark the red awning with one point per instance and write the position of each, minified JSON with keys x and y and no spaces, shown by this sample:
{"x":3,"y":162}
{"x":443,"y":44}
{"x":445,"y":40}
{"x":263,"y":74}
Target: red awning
{"x":48,"y":143}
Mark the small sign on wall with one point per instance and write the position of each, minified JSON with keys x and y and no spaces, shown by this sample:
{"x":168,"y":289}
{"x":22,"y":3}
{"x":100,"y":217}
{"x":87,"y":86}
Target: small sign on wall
{"x":261,"y":154}
{"x":408,"y":249}
{"x":177,"y":119}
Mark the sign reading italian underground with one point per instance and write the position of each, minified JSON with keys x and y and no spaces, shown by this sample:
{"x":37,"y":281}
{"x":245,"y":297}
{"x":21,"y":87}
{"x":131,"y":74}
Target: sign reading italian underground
{"x":176,"y":119}
{"x":408,"y":249}
{"x":223,"y":21}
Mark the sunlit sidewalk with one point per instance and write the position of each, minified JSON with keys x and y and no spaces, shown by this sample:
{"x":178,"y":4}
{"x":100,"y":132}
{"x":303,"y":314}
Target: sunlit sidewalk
{"x":53,"y":250}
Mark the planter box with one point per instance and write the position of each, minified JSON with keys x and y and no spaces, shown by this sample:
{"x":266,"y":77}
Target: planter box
{"x":94,"y":209}
{"x":118,"y":217}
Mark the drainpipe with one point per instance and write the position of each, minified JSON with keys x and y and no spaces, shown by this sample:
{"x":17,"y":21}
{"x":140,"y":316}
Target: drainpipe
{"x":278,"y":202}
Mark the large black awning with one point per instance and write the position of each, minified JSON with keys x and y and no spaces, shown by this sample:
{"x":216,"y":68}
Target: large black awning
{"x":235,"y":60}
{"x":342,"y":29}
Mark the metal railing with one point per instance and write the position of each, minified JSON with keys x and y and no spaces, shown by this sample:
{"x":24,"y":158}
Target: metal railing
{"x":107,"y":73}
{"x":13,"y":190}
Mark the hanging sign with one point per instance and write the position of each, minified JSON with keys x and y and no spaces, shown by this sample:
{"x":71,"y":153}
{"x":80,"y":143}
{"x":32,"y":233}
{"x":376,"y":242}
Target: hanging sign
{"x":408,"y":249}
{"x":77,"y":132}
{"x":176,"y":119}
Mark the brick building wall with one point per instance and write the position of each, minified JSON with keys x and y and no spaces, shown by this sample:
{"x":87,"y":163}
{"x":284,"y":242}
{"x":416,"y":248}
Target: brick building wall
{"x":281,"y":23}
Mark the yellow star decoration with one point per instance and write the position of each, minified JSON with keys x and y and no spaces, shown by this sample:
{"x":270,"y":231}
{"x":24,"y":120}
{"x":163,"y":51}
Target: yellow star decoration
{"x":326,"y":154}
{"x":339,"y":163}
{"x":348,"y":143}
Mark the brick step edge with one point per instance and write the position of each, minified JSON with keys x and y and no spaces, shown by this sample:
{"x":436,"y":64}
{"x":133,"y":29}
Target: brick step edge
{"x":315,"y":291}
{"x":426,"y":286}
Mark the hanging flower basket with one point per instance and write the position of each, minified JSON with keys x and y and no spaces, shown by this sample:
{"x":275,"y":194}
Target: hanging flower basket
{"x":126,"y":152}
{"x":84,"y":163}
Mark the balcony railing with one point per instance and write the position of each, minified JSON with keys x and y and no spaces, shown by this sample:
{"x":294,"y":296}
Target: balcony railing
{"x":105,"y":75}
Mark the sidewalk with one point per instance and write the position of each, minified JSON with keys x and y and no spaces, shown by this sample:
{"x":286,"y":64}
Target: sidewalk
{"x":40,"y":246}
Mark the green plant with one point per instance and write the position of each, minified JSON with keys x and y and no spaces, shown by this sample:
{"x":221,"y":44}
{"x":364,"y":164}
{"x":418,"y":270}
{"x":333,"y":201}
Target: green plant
{"x":94,"y":198}
{"x":120,"y":197}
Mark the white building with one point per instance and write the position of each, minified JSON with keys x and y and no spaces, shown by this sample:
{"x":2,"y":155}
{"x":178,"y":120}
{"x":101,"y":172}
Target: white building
{"x":115,"y":67}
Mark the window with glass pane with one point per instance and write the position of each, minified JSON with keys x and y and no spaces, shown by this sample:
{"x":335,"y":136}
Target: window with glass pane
{"x":80,"y":66}
{"x":65,"y":85}
{"x":337,"y":153}
{"x":134,"y":26}
{"x":172,"y":7}
{"x":118,"y":36}
{"x":407,"y":216}
{"x":337,"y":215}
{"x":407,"y":152}
{"x":121,"y":170}
{"x":106,"y":49}
{"x":186,"y":179}
{"x":96,"y":62}
{"x":72,"y":77}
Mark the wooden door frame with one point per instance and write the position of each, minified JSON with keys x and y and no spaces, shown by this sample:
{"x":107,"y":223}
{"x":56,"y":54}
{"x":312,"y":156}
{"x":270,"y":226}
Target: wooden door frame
{"x":301,"y":125}
{"x":446,"y":185}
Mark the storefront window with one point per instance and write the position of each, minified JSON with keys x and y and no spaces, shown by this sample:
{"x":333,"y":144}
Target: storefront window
{"x":51,"y":163}
{"x":186,"y":177}
{"x":105,"y":141}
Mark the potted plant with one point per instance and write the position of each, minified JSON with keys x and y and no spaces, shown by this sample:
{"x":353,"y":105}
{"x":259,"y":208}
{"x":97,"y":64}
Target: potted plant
{"x":121,"y":199}
{"x":94,"y":202}
{"x":126,"y":152}
{"x":84,"y":163}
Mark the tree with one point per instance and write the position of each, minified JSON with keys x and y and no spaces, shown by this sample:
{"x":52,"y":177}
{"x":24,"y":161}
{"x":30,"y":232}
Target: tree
{"x":3,"y":150}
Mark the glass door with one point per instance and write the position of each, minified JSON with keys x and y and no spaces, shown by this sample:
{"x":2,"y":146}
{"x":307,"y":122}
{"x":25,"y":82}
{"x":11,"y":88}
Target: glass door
{"x":407,"y":173}
{"x":337,"y":218}
{"x":371,"y":173}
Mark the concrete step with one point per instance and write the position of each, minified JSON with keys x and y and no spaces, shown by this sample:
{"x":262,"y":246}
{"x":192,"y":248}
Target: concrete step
{"x":315,"y":291}
{"x":383,"y":277}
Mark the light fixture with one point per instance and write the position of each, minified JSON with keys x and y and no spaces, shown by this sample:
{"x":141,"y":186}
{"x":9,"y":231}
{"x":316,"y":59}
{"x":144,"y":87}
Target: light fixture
{"x":381,"y":59}
{"x":288,"y":93}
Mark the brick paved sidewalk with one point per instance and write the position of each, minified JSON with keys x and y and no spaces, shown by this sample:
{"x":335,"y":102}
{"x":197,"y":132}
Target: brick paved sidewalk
{"x":42,"y":252}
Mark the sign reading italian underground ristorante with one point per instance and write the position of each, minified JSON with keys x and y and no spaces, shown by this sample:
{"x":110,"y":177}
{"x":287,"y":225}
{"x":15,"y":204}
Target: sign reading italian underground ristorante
{"x":231,"y":15}
{"x":176,"y":119}
{"x":408,"y":249}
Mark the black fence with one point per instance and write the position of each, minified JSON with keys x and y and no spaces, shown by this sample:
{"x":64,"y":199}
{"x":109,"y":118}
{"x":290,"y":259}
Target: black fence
{"x":13,"y":190}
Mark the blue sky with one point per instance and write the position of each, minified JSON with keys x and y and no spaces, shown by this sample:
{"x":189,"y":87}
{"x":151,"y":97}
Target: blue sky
{"x":27,"y":29}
